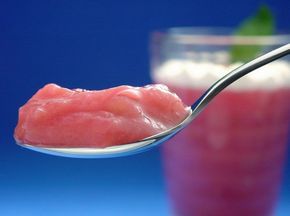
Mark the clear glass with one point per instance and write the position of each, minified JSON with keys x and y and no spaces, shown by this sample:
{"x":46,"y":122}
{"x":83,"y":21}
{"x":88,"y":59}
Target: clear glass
{"x":229,"y":161}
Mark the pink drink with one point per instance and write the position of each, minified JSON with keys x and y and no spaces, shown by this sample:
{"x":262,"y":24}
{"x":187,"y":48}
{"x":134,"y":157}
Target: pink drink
{"x":229,"y":161}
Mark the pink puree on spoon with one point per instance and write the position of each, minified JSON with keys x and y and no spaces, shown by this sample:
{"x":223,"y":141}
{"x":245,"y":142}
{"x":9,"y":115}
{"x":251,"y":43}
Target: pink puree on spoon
{"x":60,"y":117}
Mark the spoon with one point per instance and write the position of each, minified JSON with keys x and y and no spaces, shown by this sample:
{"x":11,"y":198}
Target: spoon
{"x":155,"y":140}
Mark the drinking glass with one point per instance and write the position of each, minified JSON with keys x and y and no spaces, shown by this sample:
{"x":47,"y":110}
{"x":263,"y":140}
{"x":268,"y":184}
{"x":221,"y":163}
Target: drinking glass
{"x":229,"y":160}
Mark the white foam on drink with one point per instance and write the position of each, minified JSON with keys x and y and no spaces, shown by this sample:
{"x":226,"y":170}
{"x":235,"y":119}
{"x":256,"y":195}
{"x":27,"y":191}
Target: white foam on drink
{"x":191,"y":74}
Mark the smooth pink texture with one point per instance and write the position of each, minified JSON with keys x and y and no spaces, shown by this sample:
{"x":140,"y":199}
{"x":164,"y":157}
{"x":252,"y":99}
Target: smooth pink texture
{"x":60,"y":117}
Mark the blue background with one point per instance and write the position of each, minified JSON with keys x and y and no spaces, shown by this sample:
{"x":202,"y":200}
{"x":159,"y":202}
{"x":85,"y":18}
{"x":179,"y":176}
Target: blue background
{"x":94,"y":45}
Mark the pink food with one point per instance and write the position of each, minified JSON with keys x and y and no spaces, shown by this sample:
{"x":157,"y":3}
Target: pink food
{"x":60,"y":117}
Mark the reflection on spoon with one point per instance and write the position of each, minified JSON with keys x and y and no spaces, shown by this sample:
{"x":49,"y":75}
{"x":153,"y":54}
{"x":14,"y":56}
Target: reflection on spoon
{"x":152,"y":141}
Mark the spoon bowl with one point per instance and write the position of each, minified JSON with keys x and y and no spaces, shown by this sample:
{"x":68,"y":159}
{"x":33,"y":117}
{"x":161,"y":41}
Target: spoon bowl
{"x":155,"y":140}
{"x":113,"y":151}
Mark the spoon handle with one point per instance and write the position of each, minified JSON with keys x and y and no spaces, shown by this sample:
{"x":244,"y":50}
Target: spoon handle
{"x":236,"y":74}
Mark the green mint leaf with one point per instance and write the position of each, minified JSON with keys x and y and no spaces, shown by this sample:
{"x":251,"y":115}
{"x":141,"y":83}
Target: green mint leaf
{"x":262,"y":23}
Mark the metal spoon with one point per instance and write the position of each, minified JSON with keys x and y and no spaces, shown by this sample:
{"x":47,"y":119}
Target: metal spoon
{"x":196,"y":108}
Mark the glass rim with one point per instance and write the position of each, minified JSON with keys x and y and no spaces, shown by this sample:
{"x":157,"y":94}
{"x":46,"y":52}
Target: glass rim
{"x":218,"y":36}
